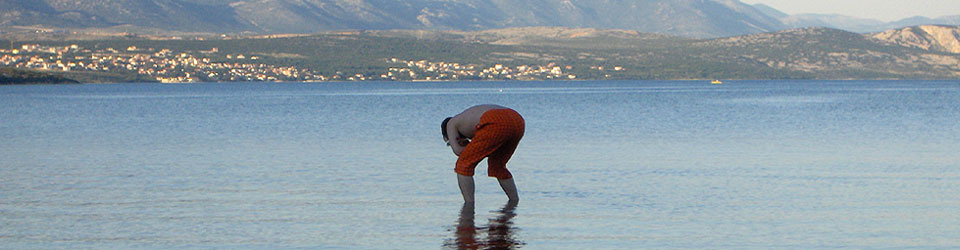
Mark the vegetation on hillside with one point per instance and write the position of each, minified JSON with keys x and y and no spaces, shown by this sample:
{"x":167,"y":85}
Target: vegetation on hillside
{"x":21,"y":76}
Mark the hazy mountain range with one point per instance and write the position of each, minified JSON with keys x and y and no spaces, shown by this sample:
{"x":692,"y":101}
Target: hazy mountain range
{"x":861,"y":25}
{"x":689,"y":18}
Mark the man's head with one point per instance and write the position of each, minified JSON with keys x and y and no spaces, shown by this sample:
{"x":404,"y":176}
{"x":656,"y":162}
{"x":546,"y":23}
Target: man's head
{"x":443,"y":129}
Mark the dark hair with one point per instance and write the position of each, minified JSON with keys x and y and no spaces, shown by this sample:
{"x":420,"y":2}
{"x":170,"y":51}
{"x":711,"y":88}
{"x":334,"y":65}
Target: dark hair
{"x":443,"y":128}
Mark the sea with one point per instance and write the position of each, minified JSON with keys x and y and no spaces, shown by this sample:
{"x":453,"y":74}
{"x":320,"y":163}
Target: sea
{"x":362,"y":165}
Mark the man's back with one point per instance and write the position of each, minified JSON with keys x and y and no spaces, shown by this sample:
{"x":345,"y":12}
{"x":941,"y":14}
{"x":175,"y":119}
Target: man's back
{"x":466,"y":121}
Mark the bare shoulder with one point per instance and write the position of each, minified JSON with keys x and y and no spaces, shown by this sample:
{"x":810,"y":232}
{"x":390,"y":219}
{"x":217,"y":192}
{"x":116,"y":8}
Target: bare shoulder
{"x":483,"y":108}
{"x":474,"y":113}
{"x":470,"y":116}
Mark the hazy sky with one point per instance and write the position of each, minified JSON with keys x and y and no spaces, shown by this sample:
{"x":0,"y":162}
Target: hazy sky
{"x":884,"y":10}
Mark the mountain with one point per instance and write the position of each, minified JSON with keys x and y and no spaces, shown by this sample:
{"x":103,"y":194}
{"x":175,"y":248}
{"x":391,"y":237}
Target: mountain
{"x":926,"y":37}
{"x":821,"y":20}
{"x":848,"y":23}
{"x":692,"y":18}
{"x":770,"y":11}
{"x":833,"y":53}
{"x":575,"y":38}
{"x":181,"y":15}
{"x":833,"y":21}
{"x":687,"y":18}
{"x":916,"y":21}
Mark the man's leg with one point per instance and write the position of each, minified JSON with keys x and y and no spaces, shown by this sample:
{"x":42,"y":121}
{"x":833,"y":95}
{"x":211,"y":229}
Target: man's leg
{"x":466,"y":187}
{"x":510,"y":189}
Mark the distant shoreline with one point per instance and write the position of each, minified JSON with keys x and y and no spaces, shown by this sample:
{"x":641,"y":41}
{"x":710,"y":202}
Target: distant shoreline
{"x":520,"y":54}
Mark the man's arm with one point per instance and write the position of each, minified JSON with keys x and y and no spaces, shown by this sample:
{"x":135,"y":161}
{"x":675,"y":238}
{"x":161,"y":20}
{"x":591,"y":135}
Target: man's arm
{"x":453,"y":135}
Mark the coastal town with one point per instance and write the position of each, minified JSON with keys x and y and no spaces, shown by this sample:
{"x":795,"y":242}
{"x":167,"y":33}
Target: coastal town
{"x":212,"y":65}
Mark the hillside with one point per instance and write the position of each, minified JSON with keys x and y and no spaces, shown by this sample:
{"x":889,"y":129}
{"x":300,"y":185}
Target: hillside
{"x":20,"y":76}
{"x":180,"y":15}
{"x":927,"y":37}
{"x":833,"y":54}
{"x":582,"y":53}
{"x":686,"y":18}
{"x":691,"y":18}
{"x":585,"y":38}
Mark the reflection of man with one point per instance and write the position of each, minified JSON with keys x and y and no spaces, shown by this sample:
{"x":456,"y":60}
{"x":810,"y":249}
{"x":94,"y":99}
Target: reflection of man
{"x":500,"y":232}
{"x":484,"y":131}
{"x":466,"y":234}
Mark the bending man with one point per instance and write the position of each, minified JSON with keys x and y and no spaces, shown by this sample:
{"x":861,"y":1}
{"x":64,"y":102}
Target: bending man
{"x":484,"y":131}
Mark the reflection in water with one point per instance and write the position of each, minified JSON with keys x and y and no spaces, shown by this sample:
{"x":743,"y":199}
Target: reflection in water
{"x":500,"y":232}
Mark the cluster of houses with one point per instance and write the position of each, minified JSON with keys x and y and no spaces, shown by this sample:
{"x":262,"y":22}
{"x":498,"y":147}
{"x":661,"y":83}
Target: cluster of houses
{"x":168,"y":66}
{"x":164,"y":65}
{"x":427,"y":70}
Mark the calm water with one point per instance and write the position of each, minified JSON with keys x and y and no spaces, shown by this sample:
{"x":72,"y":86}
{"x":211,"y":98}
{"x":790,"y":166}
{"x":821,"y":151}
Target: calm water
{"x":362,"y":165}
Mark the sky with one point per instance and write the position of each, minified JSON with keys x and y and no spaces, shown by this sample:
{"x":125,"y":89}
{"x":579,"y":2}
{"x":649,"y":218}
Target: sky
{"x":884,"y":10}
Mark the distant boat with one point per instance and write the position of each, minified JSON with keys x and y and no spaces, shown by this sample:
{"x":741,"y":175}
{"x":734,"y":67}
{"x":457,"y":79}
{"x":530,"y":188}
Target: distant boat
{"x":716,"y":82}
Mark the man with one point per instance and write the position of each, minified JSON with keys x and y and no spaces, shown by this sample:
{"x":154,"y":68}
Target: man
{"x":484,"y":131}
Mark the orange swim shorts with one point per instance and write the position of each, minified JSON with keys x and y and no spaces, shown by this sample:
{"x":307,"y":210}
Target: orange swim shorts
{"x":498,"y":134}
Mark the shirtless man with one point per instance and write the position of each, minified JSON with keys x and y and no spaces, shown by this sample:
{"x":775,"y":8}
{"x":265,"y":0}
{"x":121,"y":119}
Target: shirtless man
{"x":484,"y":131}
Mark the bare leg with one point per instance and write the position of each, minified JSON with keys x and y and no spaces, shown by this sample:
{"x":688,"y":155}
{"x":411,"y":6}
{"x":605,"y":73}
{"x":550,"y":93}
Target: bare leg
{"x":510,"y":189}
{"x":466,"y":187}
